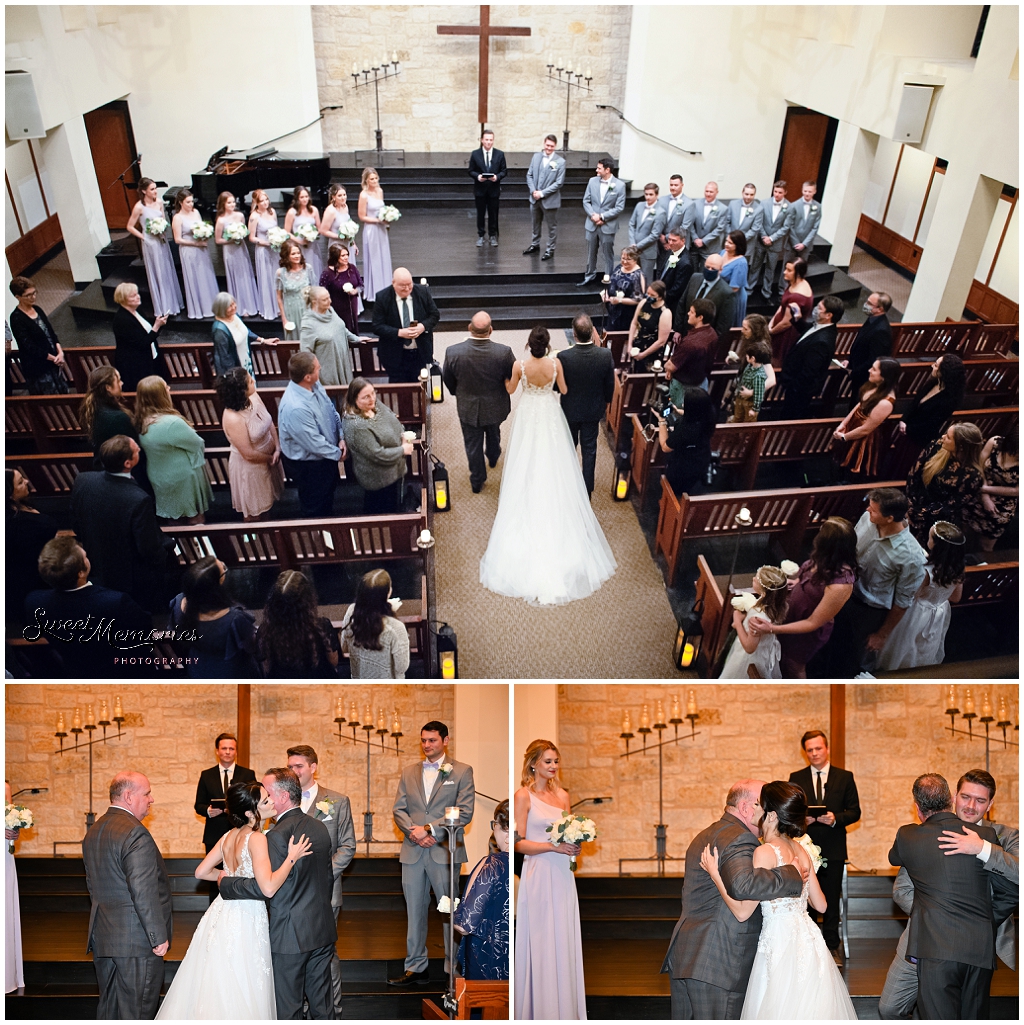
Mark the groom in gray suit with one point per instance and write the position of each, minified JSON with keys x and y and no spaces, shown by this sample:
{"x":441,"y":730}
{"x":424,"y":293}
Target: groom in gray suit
{"x":603,"y":201}
{"x":710,"y":954}
{"x":424,"y":791}
{"x":544,"y":179}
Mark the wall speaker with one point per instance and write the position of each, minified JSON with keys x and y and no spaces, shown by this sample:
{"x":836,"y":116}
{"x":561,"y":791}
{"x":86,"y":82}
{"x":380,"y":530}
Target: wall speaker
{"x":21,"y":107}
{"x":913,"y":113}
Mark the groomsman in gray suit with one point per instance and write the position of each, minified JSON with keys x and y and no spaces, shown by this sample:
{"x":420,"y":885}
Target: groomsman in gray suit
{"x":768,"y":250}
{"x":335,"y":812}
{"x":679,"y":213}
{"x":746,"y":215}
{"x":130,"y":918}
{"x":603,"y":201}
{"x":645,"y":229}
{"x":424,"y":791}
{"x":804,"y":220}
{"x":710,"y":223}
{"x":544,"y":179}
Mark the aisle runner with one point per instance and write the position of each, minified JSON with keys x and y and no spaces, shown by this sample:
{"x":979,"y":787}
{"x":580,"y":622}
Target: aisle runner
{"x":622,"y":631}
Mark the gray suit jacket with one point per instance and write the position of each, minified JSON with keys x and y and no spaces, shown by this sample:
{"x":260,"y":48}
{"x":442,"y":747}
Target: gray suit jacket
{"x":749,"y":225}
{"x":803,"y":228}
{"x":645,"y":232}
{"x":343,"y":835}
{"x":548,"y":180}
{"x":613,"y":205}
{"x":777,"y":229}
{"x":413,"y":809}
{"x":475,"y":372}
{"x":681,"y":218}
{"x":708,"y":943}
{"x":713,"y":228}
{"x":128,"y":887}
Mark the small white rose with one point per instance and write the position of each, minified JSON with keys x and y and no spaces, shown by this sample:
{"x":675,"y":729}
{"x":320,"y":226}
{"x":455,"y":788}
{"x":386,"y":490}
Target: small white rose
{"x":289,"y":325}
{"x":347,"y":287}
{"x":444,"y":905}
{"x":744,"y":602}
{"x":789,"y":567}
{"x":447,"y":767}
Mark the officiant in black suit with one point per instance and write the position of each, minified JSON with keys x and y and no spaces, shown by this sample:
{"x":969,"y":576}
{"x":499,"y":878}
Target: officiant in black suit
{"x":404,"y":318}
{"x":487,"y":169}
{"x":590,"y":381}
{"x":828,"y":785}
{"x":213,"y":785}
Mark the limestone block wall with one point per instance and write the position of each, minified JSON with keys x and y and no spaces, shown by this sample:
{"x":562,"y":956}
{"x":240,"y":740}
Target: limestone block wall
{"x":894,"y":733}
{"x":432,"y":107}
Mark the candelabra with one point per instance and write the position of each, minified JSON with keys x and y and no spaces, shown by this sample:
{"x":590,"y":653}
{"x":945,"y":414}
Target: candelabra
{"x":563,"y":74}
{"x":89,"y":726}
{"x":371,"y":727}
{"x":387,"y":69}
{"x":986,"y":717}
{"x":675,"y":719}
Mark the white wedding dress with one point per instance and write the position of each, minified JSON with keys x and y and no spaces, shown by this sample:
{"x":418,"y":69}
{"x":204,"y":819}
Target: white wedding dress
{"x":546,"y":545}
{"x":226,"y":972}
{"x":794,"y":977}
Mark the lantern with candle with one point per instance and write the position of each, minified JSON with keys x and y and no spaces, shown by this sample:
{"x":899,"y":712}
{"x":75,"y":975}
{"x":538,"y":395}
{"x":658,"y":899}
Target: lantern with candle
{"x":436,"y":382}
{"x":689,"y":639}
{"x":620,"y":479}
{"x":447,"y":646}
{"x":439,"y":479}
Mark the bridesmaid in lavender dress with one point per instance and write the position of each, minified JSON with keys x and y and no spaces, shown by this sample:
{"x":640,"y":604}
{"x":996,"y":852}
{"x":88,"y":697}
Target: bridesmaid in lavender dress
{"x":196,"y":265}
{"x":14,"y":970}
{"x":156,"y":254}
{"x":549,"y":951}
{"x":303,"y":212}
{"x":335,"y":215}
{"x":376,"y":246}
{"x":237,"y":262}
{"x":262,"y":218}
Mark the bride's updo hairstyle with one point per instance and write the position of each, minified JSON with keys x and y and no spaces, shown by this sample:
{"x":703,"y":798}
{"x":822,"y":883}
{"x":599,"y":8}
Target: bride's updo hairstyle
{"x":532,"y":756}
{"x":788,"y":802}
{"x":539,"y":342}
{"x":243,"y":797}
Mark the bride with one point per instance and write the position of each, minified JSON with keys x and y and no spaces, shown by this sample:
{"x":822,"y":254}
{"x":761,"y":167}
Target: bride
{"x":793,"y":976}
{"x":226,"y":972}
{"x":546,"y":545}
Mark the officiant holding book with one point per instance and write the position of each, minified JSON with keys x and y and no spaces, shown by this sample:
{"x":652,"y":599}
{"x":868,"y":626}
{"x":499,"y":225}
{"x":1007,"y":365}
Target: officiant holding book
{"x":213,"y":785}
{"x":487,"y":169}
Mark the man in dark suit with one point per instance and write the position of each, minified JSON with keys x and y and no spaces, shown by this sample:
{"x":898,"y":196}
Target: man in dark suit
{"x":707,"y":284}
{"x":874,"y":339}
{"x":303,"y":932}
{"x":79,"y":618}
{"x":213,"y":785}
{"x":130,"y":918}
{"x":476,"y":372}
{"x":404,"y":318}
{"x":116,"y":522}
{"x":828,"y":785}
{"x":805,"y":367}
{"x":711,"y":953}
{"x":590,"y":381}
{"x":487,"y":169}
{"x":677,"y":270}
{"x":951,"y":932}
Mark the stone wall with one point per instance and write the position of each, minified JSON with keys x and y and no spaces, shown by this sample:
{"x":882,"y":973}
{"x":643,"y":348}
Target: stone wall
{"x":894,"y":733}
{"x":432,"y":107}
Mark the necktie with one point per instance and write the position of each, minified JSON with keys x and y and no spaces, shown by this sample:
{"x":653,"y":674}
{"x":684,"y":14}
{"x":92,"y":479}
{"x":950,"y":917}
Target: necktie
{"x":818,"y":796}
{"x":702,"y":291}
{"x":225,"y":782}
{"x":487,"y":159}
{"x":405,"y":313}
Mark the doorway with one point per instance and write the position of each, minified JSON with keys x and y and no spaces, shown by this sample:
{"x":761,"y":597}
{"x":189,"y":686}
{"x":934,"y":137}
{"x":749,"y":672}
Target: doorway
{"x":113,"y":151}
{"x":806,"y":150}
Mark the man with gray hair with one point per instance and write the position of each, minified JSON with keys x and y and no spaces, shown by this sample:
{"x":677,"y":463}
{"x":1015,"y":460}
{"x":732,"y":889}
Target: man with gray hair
{"x":130,"y":918}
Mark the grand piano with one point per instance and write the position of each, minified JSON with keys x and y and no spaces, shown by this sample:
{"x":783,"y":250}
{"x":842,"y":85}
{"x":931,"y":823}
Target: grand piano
{"x":239,"y":172}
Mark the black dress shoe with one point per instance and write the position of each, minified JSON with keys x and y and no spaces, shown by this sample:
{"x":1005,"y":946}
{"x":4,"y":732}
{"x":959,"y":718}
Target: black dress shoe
{"x":548,"y":254}
{"x":476,"y":488}
{"x":410,"y":979}
{"x":492,"y":463}
{"x":532,"y":249}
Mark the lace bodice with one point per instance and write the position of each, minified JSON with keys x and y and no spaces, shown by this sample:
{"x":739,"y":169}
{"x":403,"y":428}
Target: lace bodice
{"x":784,"y":905}
{"x":244,"y":870}
{"x":540,"y":389}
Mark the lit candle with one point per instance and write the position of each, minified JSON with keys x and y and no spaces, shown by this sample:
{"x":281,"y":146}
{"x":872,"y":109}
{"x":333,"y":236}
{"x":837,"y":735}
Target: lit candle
{"x":435,"y":390}
{"x":968,"y":701}
{"x":384,"y":61}
{"x":588,"y":74}
{"x":442,"y":498}
{"x":368,"y":719}
{"x":687,"y":656}
{"x":551,"y":61}
{"x":626,"y":725}
{"x":622,"y":487}
{"x":353,"y":715}
{"x":659,"y":712}
{"x":103,"y":712}
{"x":744,"y":513}
{"x":451,"y":815}
{"x":1002,"y":710}
{"x":90,"y":719}
{"x":394,"y":56}
{"x":951,"y":697}
{"x":691,"y":697}
{"x":986,"y":706}
{"x":76,"y":719}
{"x":339,"y":709}
{"x":447,"y":666}
{"x":355,"y":68}
{"x":118,"y":714}
{"x":60,"y":723}
{"x":675,"y":707}
{"x":568,"y":69}
{"x":424,"y":374}
{"x":645,"y":719}
{"x":425,"y":537}
{"x":382,"y":723}
{"x":396,"y":725}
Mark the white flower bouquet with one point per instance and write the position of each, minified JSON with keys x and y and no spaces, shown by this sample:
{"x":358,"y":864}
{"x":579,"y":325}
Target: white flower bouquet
{"x":277,"y":238}
{"x":348,"y":288}
{"x":395,"y":603}
{"x":16,"y":816}
{"x":813,"y":851}
{"x":789,"y":567}
{"x":744,"y":602}
{"x":156,"y":226}
{"x":349,"y":229}
{"x":444,"y":905}
{"x":202,"y":230}
{"x":237,"y":232}
{"x":389,"y":214}
{"x":572,"y":829}
{"x":307,"y":232}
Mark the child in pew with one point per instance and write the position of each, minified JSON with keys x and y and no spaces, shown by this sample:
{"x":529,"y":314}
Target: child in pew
{"x":751,"y":383}
{"x":761,"y":650}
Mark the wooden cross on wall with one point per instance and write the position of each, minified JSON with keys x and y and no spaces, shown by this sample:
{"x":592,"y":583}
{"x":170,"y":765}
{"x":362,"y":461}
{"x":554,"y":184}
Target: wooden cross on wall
{"x":484,"y":30}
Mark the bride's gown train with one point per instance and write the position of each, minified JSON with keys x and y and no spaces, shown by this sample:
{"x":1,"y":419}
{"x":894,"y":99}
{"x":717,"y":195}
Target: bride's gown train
{"x":546,"y":545}
{"x":794,"y":977}
{"x":226,"y":972}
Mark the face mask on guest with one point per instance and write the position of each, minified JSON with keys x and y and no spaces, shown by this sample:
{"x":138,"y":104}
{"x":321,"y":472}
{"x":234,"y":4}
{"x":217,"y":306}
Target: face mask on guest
{"x":710,"y":275}
{"x":816,"y":315}
{"x":868,"y":308}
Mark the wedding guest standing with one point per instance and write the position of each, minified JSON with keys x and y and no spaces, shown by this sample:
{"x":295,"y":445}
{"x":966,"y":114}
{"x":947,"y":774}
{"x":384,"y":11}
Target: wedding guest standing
{"x":751,"y":647}
{"x":790,"y":320}
{"x":39,"y":351}
{"x":624,"y":291}
{"x":302,"y":214}
{"x":376,"y":244}
{"x":337,"y":224}
{"x":136,"y":349}
{"x":237,"y":261}
{"x":164,"y":293}
{"x":213,"y":786}
{"x":325,"y":335}
{"x":293,"y":278}
{"x":254,"y":466}
{"x":175,"y":454}
{"x":873,"y":341}
{"x":374,"y":637}
{"x":232,"y":340}
{"x":294,"y":640}
{"x":26,"y":532}
{"x":997,"y":502}
{"x":688,"y":441}
{"x":263,"y":217}
{"x":946,"y":479}
{"x":103,"y":412}
{"x":377,"y":447}
{"x":404,"y":318}
{"x":931,"y":408}
{"x":753,"y":330}
{"x":342,"y":279}
{"x":14,"y":972}
{"x":857,"y":444}
{"x":196,"y":266}
{"x":734,"y":272}
{"x":651,"y":326}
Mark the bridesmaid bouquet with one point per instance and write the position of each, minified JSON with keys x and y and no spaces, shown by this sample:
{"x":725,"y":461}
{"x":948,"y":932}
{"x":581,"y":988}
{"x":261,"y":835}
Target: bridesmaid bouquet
{"x":156,"y":226}
{"x":572,"y":829}
{"x":307,"y":232}
{"x":236,"y":232}
{"x":348,"y":229}
{"x":813,"y":851}
{"x":389,"y":214}
{"x":202,"y":230}
{"x":277,"y":238}
{"x":16,"y":816}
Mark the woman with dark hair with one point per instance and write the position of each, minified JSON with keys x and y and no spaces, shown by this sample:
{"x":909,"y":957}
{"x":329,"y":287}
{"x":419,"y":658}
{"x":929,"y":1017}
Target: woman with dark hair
{"x":930,"y":409}
{"x":27,"y":531}
{"x":225,"y":972}
{"x":103,"y":413}
{"x":624,"y":290}
{"x":542,"y":483}
{"x":378,"y":447}
{"x":946,"y":479}
{"x":790,"y":318}
{"x":263,"y":217}
{"x":821,"y":587}
{"x":856,"y":445}
{"x":482,"y":917}
{"x":255,"y":472}
{"x":237,"y":261}
{"x":997,"y":501}
{"x":39,"y":351}
{"x":735,"y":271}
{"x":293,"y":278}
{"x":688,"y":440}
{"x":213,"y":631}
{"x":294,"y":640}
{"x":164,"y":291}
{"x":301,"y":219}
{"x":651,"y":325}
{"x":343,"y":281}
{"x":793,"y":976}
{"x":337,"y":225}
{"x":196,"y":265}
{"x":375,"y":638}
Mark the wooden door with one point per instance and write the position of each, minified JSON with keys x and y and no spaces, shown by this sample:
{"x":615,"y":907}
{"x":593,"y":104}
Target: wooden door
{"x":113,"y":148}
{"x":806,"y":150}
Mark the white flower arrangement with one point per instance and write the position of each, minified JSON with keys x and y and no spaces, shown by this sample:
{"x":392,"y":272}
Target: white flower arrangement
{"x":307,"y":232}
{"x":326,"y":807}
{"x":572,"y":829}
{"x":444,"y":905}
{"x":156,"y":226}
{"x":277,"y":238}
{"x":744,"y":602}
{"x":789,"y":567}
{"x":202,"y":230}
{"x":348,"y":229}
{"x":389,"y":214}
{"x":813,"y":852}
{"x":237,"y":232}
{"x":16,"y":816}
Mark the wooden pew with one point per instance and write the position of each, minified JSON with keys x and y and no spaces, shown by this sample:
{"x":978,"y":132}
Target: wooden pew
{"x":990,"y":584}
{"x":716,"y":616}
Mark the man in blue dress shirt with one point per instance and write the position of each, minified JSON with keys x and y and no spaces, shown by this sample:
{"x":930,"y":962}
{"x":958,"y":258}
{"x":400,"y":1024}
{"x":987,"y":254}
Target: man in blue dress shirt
{"x":311,"y":439}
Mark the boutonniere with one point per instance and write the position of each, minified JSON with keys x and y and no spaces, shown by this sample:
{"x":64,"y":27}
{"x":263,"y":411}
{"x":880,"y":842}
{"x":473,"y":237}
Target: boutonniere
{"x":814,"y":208}
{"x":611,"y":188}
{"x":673,"y":260}
{"x":446,"y":769}
{"x":785,"y":206}
{"x":714,"y":210}
{"x":326,"y":807}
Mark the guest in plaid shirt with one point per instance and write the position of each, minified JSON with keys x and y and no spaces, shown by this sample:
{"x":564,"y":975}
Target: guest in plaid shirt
{"x":750,"y":387}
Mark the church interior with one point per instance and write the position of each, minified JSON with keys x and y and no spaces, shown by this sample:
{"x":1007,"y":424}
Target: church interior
{"x":906,"y":118}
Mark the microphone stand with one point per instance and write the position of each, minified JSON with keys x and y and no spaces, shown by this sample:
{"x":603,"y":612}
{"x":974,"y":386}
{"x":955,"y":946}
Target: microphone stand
{"x":124,"y":184}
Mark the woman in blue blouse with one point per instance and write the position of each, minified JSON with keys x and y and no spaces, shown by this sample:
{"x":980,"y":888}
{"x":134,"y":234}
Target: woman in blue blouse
{"x":734,"y":273}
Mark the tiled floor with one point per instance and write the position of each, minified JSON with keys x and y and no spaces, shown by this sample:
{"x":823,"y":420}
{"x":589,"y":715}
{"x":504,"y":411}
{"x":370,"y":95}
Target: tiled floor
{"x":876,"y":276}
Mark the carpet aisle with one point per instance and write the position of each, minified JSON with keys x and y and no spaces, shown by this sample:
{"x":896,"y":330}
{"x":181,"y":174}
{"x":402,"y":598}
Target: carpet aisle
{"x":624,"y":630}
